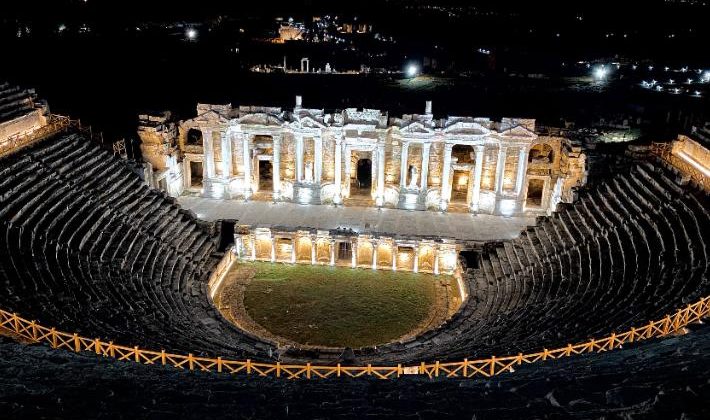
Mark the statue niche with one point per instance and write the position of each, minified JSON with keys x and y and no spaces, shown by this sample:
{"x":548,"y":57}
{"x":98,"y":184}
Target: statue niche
{"x":413,"y":178}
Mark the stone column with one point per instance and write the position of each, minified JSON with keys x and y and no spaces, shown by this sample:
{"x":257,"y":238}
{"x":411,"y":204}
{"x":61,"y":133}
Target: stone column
{"x":293,"y":250}
{"x":208,"y":150}
{"x":276,"y":167}
{"x":436,"y":261}
{"x":380,"y":195}
{"x":338,"y":197}
{"x":500,"y":169}
{"x":332,"y":252}
{"x":403,"y":169}
{"x":239,"y":246}
{"x":318,"y":170}
{"x":425,"y":167}
{"x":445,"y":175}
{"x":187,"y":174}
{"x":477,"y":172}
{"x":374,"y":255}
{"x":247,"y":164}
{"x":522,"y":169}
{"x":226,"y":155}
{"x":299,"y":158}
{"x":394,"y":257}
{"x":348,"y":164}
{"x":252,"y":239}
{"x":314,"y":244}
{"x":354,"y":254}
{"x":273,"y":249}
{"x":416,"y":259}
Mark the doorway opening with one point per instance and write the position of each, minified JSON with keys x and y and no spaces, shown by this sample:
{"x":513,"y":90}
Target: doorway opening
{"x":459,"y":186}
{"x":266,"y":177}
{"x":535,"y":189}
{"x":362,"y":184}
{"x":345,"y":252}
{"x":195,"y":174}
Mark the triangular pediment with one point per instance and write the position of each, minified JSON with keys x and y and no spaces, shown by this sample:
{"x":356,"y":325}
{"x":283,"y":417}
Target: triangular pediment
{"x":518,"y":131}
{"x":210,"y":117}
{"x":467,"y":128}
{"x":416,"y":128}
{"x":307,"y":122}
{"x":260,"y":119}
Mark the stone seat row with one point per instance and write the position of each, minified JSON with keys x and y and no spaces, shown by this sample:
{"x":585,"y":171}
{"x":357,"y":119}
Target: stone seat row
{"x":631,"y":249}
{"x":89,"y":248}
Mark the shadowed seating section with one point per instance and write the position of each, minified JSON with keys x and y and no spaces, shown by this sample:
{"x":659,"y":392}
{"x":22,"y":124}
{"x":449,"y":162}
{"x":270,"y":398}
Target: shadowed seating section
{"x":660,"y":379}
{"x":87,"y":247}
{"x":15,"y":102}
{"x":631,"y":249}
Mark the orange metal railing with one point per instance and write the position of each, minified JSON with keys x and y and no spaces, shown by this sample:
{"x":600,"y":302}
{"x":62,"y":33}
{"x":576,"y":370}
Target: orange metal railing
{"x":467,"y":368}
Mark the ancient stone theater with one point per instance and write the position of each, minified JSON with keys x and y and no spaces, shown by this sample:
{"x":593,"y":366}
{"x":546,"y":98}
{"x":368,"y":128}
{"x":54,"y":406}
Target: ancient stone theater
{"x":363,"y":157}
{"x":553,"y":288}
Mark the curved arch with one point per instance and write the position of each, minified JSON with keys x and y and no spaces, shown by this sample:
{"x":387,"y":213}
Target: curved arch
{"x":193,"y":137}
{"x":541,"y":153}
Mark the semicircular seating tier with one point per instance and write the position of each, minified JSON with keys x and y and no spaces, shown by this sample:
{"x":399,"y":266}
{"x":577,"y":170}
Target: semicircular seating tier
{"x":87,"y":247}
{"x":658,"y":379}
{"x":631,"y":249}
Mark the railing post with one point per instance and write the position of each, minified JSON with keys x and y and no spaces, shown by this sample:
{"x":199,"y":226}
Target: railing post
{"x":16,"y":323}
{"x":667,"y":325}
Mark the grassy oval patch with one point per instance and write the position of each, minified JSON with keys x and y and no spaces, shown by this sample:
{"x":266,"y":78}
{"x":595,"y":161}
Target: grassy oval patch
{"x":338,"y":307}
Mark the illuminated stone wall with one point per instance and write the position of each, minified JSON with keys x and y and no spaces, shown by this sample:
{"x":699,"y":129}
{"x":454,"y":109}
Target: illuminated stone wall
{"x":687,"y":148}
{"x":368,"y":251}
{"x":22,"y":126}
{"x":393,"y":145}
{"x":23,"y":114}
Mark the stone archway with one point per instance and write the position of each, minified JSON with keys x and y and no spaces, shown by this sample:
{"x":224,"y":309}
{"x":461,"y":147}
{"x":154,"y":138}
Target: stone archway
{"x":193,"y":137}
{"x":541,"y":153}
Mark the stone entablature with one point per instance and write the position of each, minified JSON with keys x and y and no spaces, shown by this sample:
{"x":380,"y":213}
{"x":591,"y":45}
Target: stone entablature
{"x":346,"y":248}
{"x":21,"y":115}
{"x":364,"y":157}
